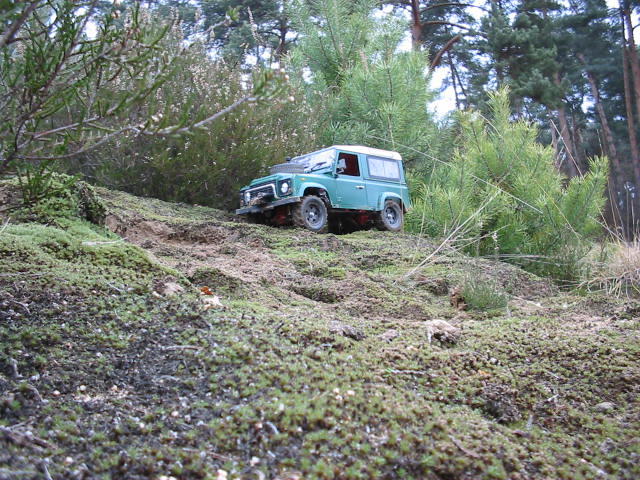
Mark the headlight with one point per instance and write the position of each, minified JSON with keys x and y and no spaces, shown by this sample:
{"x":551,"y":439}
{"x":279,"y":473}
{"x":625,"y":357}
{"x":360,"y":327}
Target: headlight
{"x":285,"y":187}
{"x":247,"y":197}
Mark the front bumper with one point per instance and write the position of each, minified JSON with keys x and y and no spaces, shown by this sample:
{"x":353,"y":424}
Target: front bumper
{"x":267,"y":206}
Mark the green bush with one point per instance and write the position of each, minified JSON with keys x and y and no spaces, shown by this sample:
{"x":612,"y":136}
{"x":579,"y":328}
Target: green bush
{"x":63,"y":199}
{"x":501,"y":195}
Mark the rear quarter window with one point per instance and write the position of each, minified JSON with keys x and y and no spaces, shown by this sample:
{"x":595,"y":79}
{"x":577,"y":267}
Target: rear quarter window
{"x":383,"y":168}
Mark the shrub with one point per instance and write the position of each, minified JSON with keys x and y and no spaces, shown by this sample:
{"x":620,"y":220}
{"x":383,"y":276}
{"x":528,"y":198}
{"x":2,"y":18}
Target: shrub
{"x":483,"y":294}
{"x":502,"y":195}
{"x":208,"y":165}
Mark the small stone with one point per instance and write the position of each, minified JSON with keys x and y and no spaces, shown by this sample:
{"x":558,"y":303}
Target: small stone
{"x":605,"y":407}
{"x":346,"y":330}
{"x":174,"y":414}
{"x":443,"y":331}
{"x":389,"y":335}
{"x":82,"y":388}
{"x":222,"y":475}
{"x":254,"y":461}
{"x":169,"y":289}
{"x":68,"y":460}
{"x":56,"y":393}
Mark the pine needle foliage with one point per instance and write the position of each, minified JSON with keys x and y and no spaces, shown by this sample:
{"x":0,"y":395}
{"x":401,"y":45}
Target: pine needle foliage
{"x":370,"y":92}
{"x":502,"y":195}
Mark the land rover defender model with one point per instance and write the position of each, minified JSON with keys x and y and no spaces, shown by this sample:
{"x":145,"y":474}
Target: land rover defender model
{"x":339,"y":186}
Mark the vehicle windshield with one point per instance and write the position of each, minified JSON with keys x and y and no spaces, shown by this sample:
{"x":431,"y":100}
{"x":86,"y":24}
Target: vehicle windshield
{"x":316,"y":161}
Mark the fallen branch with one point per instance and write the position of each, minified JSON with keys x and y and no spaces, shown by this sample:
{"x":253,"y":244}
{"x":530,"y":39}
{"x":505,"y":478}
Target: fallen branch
{"x":10,"y":474}
{"x":24,"y":439}
{"x":458,"y":443}
{"x":408,"y":372}
{"x":35,"y":392}
{"x":181,"y":347}
{"x":93,"y":244}
{"x":6,"y":224}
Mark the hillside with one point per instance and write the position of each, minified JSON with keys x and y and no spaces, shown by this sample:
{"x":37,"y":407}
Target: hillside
{"x":315,"y":356}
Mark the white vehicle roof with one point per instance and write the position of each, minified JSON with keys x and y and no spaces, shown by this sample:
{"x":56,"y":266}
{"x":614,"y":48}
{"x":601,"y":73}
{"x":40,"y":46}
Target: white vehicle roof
{"x":369,"y":151}
{"x":357,"y":149}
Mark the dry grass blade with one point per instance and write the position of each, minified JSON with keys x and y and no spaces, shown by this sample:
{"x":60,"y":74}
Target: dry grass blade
{"x":619,"y":274}
{"x":452,"y":236}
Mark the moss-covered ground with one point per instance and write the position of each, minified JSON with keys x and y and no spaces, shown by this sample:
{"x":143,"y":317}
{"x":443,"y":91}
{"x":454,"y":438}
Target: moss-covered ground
{"x":318,"y":365}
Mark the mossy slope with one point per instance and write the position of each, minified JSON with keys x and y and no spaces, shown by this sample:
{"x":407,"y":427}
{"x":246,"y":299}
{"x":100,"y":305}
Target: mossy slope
{"x":318,"y":366}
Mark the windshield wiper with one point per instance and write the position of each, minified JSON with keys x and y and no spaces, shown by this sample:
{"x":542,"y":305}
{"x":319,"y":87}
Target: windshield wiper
{"x":318,"y":167}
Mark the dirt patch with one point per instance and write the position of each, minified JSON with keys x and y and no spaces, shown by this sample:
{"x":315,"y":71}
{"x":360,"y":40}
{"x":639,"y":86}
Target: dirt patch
{"x":318,"y":293}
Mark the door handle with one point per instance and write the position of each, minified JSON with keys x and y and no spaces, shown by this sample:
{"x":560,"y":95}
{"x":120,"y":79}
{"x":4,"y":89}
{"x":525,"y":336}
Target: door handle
{"x":360,"y":187}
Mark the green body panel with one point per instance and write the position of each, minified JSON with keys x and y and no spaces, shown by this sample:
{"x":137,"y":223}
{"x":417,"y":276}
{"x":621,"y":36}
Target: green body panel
{"x":346,"y":192}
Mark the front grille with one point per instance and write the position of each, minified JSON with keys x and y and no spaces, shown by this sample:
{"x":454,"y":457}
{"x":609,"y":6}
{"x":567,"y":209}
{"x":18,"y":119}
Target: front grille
{"x":262,"y":193}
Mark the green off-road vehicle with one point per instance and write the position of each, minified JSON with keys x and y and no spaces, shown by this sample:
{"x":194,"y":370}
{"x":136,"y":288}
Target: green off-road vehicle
{"x":343,"y":187}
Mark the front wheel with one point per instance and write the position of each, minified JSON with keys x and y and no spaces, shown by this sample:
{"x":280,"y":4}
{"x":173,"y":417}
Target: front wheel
{"x":391,"y":217}
{"x":311,"y":213}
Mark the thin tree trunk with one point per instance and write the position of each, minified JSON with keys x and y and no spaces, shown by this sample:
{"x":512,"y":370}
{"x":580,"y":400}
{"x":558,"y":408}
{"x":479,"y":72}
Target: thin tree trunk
{"x":571,"y":164}
{"x":565,"y":134}
{"x":631,"y":127}
{"x":283,"y":29}
{"x":453,"y":80}
{"x":610,"y":147}
{"x":581,"y":160}
{"x":554,"y":141}
{"x":633,"y":54}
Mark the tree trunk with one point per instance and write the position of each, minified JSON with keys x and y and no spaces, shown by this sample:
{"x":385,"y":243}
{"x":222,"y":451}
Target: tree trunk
{"x":416,"y":25}
{"x":633,"y":54}
{"x":565,"y":133}
{"x":581,"y":157}
{"x":609,"y":145}
{"x":571,"y":163}
{"x":631,"y":127}
{"x":453,"y":80}
{"x":281,"y":49}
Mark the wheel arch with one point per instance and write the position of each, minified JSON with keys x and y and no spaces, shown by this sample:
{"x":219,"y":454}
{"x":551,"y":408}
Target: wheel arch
{"x":391,"y":196}
{"x":318,"y":190}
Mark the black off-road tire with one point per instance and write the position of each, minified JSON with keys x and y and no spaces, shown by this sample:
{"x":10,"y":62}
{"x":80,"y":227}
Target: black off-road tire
{"x":311,"y":213}
{"x":391,"y":217}
{"x":257,"y":218}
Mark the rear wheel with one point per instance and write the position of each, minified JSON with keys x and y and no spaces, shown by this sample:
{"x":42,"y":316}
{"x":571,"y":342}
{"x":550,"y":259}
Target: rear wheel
{"x":311,"y":213}
{"x":391,"y":217}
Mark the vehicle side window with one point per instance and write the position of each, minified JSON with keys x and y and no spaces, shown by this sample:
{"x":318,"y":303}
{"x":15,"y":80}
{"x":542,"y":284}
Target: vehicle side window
{"x":348,"y":165}
{"x":383,"y":168}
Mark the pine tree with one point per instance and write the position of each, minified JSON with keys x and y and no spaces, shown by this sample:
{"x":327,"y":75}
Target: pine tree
{"x":370,"y":93}
{"x":502,"y":195}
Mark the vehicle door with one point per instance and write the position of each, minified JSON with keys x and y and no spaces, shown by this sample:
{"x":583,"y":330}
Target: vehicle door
{"x":350,"y":189}
{"x":384,"y":175}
